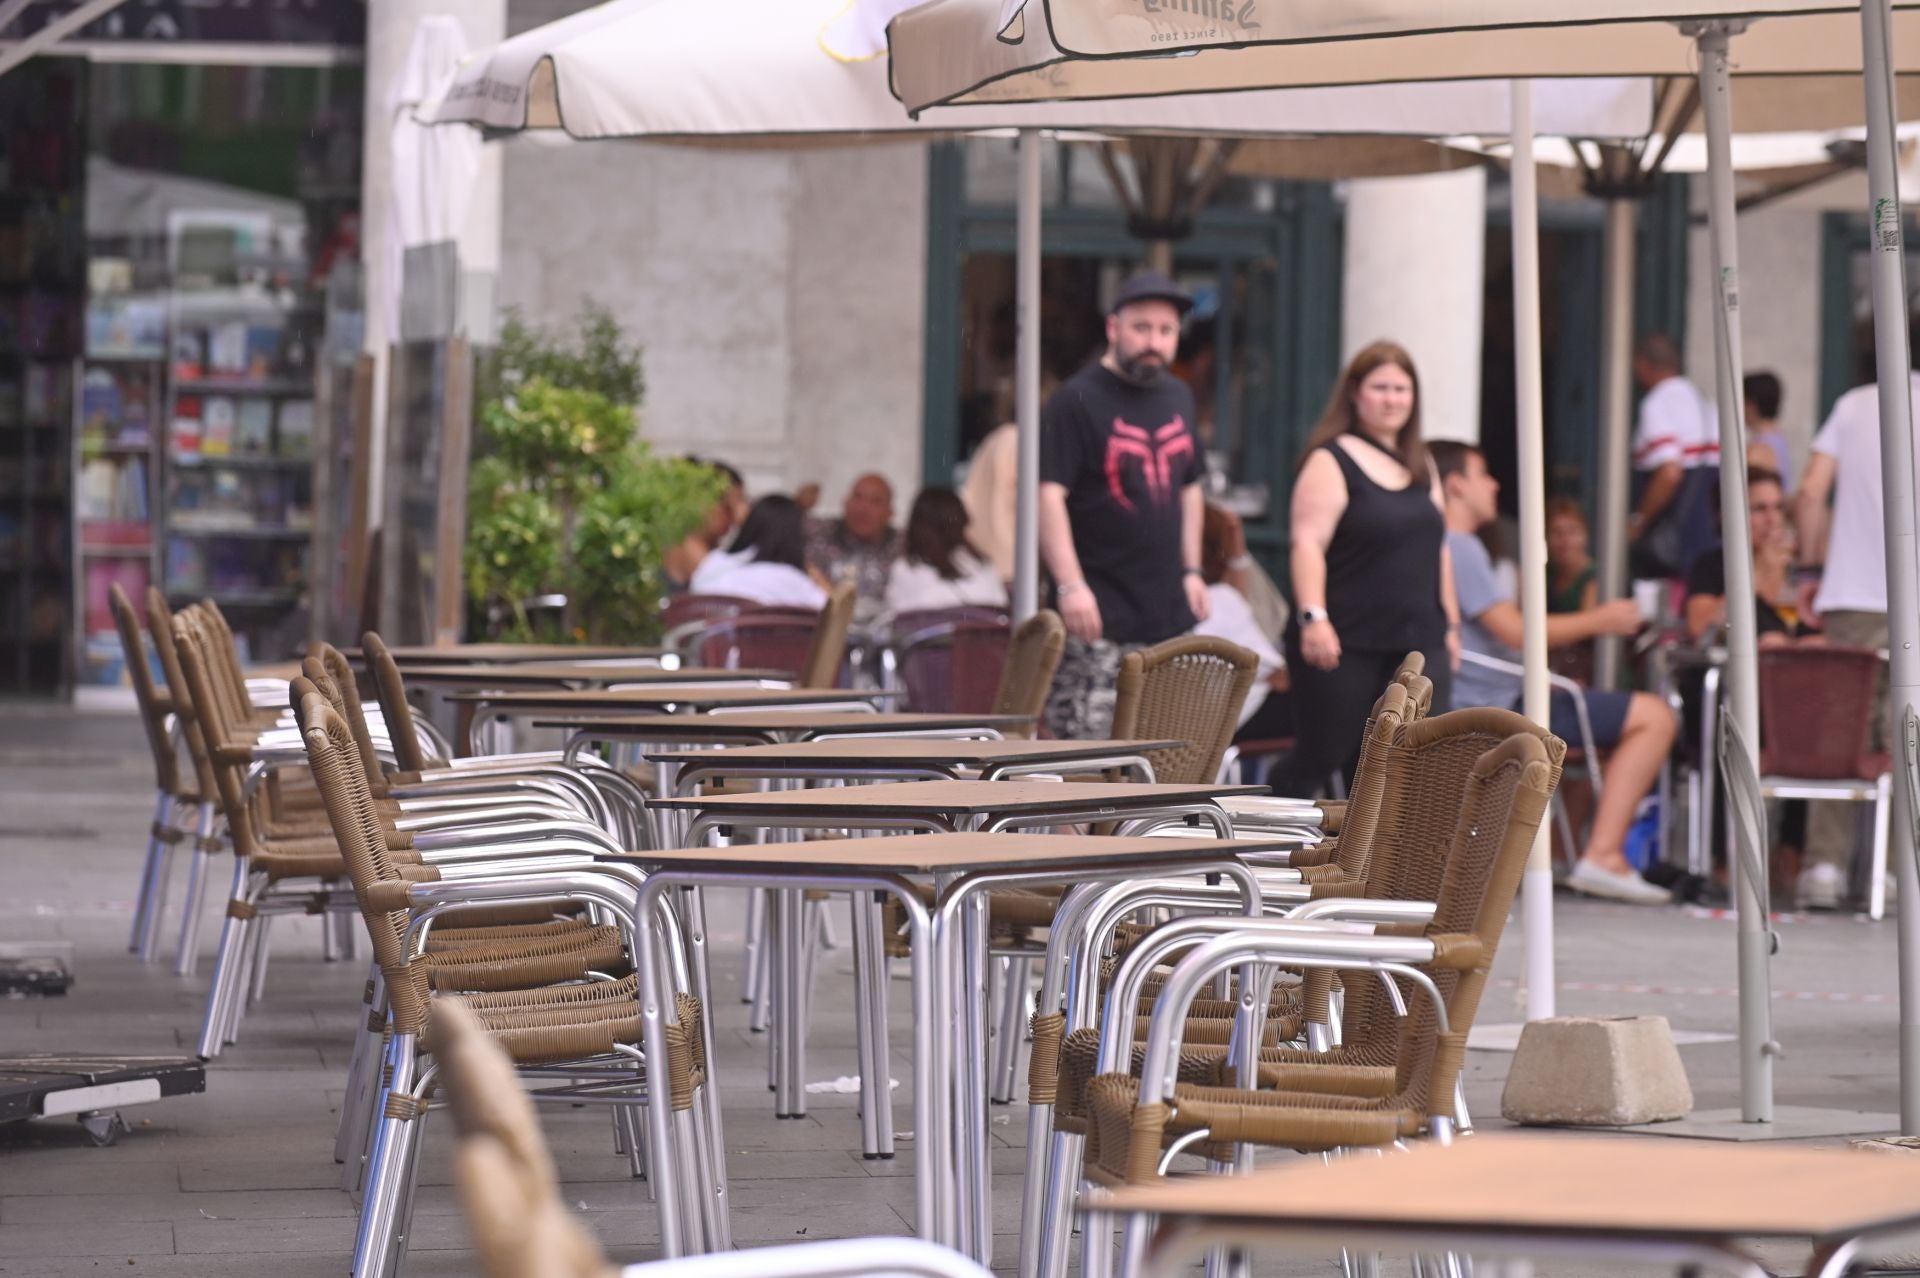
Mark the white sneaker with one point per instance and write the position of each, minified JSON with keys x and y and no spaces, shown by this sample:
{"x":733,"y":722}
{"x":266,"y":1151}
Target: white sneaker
{"x":1625,"y":886}
{"x":1819,"y":887}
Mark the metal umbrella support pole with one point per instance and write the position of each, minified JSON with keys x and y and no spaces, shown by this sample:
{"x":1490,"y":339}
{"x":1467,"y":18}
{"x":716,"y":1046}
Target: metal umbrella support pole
{"x":1537,"y":884}
{"x":1616,"y":420}
{"x":1741,"y":719}
{"x":1026,"y":379}
{"x":1886,"y":269}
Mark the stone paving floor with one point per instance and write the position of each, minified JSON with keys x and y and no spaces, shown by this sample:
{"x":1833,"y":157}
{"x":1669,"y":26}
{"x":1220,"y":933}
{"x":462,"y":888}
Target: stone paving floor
{"x":240,"y":1180}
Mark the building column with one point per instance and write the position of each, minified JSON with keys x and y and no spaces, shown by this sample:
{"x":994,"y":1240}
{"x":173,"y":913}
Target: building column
{"x":391,"y":26}
{"x":1414,"y":254}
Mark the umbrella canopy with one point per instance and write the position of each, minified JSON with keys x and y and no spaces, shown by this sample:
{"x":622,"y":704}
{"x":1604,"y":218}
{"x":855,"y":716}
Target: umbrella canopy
{"x":997,"y":51}
{"x":793,"y":72}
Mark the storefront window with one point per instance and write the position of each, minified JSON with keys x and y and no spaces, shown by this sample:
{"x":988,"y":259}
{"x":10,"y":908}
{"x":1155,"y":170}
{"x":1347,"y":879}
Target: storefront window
{"x":220,"y":200}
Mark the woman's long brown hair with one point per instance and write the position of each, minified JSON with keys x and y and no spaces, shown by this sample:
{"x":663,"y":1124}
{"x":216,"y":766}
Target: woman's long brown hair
{"x":1338,"y":418}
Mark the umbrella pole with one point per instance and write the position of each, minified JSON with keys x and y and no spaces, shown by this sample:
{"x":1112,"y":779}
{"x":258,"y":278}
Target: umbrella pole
{"x":1616,"y":421}
{"x":1026,"y":379}
{"x":1886,"y":271}
{"x":1537,"y":884}
{"x":1739,"y":748}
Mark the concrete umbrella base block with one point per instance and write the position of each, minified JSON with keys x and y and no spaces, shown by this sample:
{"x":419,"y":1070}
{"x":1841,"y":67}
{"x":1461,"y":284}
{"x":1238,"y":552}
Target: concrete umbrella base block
{"x":1574,"y":1071}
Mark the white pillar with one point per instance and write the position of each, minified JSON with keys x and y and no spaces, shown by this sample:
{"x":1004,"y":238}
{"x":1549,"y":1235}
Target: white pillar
{"x":1414,"y":250}
{"x":390,"y":29}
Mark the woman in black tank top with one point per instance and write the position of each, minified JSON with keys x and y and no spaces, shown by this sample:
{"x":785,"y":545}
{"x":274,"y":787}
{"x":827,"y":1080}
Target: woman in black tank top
{"x":1371,"y":581}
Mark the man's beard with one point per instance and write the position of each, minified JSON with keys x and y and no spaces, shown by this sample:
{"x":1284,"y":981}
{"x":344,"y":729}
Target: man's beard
{"x":1143,"y":369}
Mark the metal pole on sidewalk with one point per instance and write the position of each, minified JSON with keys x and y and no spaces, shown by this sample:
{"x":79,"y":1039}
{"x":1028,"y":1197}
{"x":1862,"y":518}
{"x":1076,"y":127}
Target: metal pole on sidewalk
{"x":1537,"y":883}
{"x":1886,"y":270}
{"x":1026,"y":380}
{"x":1616,"y":421}
{"x":1740,"y":750}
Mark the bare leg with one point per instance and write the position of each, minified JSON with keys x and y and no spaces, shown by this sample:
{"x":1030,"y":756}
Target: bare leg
{"x":1632,"y":771}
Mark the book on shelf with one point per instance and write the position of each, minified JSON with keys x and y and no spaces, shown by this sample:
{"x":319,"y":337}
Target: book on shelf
{"x":183,"y":442}
{"x":295,"y":438}
{"x":216,"y":427}
{"x":253,"y":429}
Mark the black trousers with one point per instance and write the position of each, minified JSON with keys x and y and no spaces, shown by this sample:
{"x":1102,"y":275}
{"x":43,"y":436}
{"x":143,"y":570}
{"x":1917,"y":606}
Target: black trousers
{"x":1330,"y":710}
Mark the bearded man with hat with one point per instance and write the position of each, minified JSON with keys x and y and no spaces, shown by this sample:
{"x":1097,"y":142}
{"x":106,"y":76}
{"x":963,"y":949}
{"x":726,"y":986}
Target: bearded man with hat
{"x":1120,"y":503}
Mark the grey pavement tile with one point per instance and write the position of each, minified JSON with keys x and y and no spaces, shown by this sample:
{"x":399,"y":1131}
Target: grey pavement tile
{"x":326,"y":1234}
{"x":242,"y":1205}
{"x":244,"y":1265}
{"x":107,"y":1238}
{"x":29,"y":1173}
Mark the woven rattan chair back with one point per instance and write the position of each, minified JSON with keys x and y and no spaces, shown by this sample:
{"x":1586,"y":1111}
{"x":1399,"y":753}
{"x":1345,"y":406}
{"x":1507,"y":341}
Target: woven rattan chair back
{"x":506,"y":1177}
{"x":1188,"y":689}
{"x":154,"y":703}
{"x":1033,"y":655}
{"x":224,"y":755}
{"x":179,"y":695}
{"x":390,"y":690}
{"x":333,"y":678}
{"x":1817,"y":712}
{"x":335,"y":761}
{"x":1426,"y":771}
{"x":1500,"y":809}
{"x":954,"y":666}
{"x":829,"y":650}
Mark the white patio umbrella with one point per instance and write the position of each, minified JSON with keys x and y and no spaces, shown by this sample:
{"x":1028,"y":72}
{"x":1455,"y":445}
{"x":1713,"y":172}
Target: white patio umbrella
{"x":790,"y":73}
{"x":809,"y":72}
{"x":997,"y":51}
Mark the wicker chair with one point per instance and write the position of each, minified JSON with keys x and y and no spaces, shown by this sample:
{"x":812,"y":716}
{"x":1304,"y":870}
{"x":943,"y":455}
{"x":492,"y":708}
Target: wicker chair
{"x":1325,"y":1106}
{"x":285,"y":862}
{"x":521,"y":1228}
{"x":1033,"y":655}
{"x":536,"y":1021}
{"x":758,"y":640}
{"x":953,"y":666}
{"x":829,"y":651}
{"x":177,"y":811}
{"x":1188,"y":689}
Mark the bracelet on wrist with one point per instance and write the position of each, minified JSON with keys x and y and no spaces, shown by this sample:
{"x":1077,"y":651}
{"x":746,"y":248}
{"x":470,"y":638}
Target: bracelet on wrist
{"x":1070,"y":587}
{"x":1242,"y":560}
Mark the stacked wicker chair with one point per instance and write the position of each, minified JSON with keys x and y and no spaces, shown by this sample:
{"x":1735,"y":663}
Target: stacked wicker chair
{"x":537,"y":1001}
{"x":520,"y":1227}
{"x":180,"y":810}
{"x":1464,"y":794}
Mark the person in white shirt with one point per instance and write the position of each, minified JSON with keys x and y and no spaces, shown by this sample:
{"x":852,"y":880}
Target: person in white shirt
{"x":1223,"y":557}
{"x":941,"y":568}
{"x":1851,"y":603}
{"x":767,"y":562}
{"x":1676,"y":450}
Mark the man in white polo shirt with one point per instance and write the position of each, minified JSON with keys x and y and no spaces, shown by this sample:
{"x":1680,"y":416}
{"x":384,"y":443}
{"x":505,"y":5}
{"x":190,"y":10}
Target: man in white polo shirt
{"x":1676,"y":450}
{"x":1849,"y":537}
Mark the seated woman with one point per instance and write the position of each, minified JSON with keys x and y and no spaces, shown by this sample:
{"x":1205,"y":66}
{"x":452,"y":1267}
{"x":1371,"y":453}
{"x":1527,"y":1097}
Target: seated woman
{"x":1776,"y":622}
{"x":941,"y":568}
{"x":767,"y":562}
{"x":1223,"y":552}
{"x":1776,"y":616}
{"x":1570,"y":569}
{"x":724,"y":516}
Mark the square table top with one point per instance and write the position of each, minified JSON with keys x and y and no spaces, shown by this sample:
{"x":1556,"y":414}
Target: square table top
{"x":765,"y":725}
{"x":638,"y":699}
{"x":936,"y":751}
{"x":948,"y":853}
{"x":960,"y":798}
{"x":534,"y":673}
{"x":483,"y":653}
{"x":1601,"y":1186}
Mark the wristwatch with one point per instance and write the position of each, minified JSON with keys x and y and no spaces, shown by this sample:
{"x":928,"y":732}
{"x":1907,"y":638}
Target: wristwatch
{"x":1309,"y":616}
